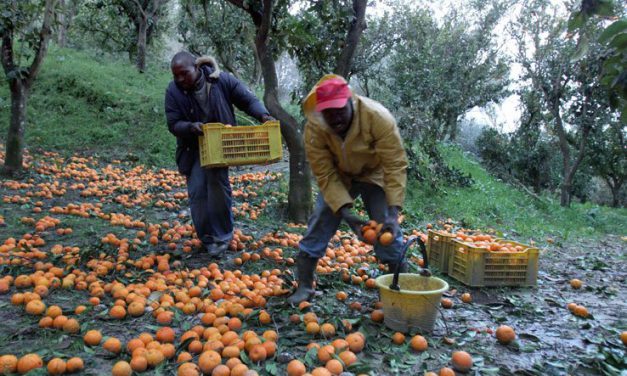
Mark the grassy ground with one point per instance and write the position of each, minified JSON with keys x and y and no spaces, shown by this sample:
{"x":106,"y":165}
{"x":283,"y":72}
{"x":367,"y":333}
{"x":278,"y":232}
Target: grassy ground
{"x":102,"y":107}
{"x":491,"y":203}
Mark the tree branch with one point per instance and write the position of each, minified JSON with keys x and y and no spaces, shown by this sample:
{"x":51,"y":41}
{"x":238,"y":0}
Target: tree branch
{"x":42,"y":45}
{"x":6,"y":56}
{"x":256,"y":16}
{"x":343,"y":67}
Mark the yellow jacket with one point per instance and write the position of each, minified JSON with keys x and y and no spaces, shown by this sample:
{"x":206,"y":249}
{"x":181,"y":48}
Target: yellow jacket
{"x":372,"y":151}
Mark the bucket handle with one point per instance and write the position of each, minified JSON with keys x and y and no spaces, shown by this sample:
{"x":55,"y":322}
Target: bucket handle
{"x":425,"y":272}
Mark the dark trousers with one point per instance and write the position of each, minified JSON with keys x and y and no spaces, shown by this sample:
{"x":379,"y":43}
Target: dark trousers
{"x":323,"y":223}
{"x":210,"y":201}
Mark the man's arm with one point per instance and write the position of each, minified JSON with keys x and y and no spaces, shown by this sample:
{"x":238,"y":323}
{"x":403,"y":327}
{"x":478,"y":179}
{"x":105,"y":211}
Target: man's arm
{"x":244,"y":99}
{"x":176,"y":124}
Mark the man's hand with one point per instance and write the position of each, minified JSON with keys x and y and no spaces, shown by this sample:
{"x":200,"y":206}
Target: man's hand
{"x":196,"y":128}
{"x":267,"y":117}
{"x":353,"y":221}
{"x":391,"y":221}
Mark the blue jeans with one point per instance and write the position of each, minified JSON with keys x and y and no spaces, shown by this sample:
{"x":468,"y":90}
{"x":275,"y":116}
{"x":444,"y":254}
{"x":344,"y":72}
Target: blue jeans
{"x":323,"y":223}
{"x":210,"y":201}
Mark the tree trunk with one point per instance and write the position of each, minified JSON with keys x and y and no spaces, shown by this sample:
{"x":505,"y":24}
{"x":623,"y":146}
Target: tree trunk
{"x":62,"y":31}
{"x":358,"y":24}
{"x":15,"y":136}
{"x":141,"y":43}
{"x":615,"y":185}
{"x":299,"y":196}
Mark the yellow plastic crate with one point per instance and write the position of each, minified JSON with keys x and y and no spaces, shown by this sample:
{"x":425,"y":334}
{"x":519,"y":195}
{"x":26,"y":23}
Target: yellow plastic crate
{"x":479,"y":267}
{"x":240,"y":145}
{"x":440,"y":247}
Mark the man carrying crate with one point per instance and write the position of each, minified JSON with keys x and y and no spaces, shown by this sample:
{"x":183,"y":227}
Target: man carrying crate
{"x":354,"y":148}
{"x":200,"y":93}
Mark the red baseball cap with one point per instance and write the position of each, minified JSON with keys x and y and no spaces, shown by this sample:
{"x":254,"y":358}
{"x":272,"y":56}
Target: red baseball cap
{"x":332,"y":93}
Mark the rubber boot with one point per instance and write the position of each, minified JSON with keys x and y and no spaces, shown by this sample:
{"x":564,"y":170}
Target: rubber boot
{"x":306,"y":267}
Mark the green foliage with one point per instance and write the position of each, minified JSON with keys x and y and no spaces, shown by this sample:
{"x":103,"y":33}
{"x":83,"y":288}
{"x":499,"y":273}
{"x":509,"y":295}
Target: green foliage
{"x":21,"y":24}
{"x":111,"y":26}
{"x":614,"y":37}
{"x":316,"y":36}
{"x":492,"y":203}
{"x":231,"y":46}
{"x":438,"y":71}
{"x":104,"y":107}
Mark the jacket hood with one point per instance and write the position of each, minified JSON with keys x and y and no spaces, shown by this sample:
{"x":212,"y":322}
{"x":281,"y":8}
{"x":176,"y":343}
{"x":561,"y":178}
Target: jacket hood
{"x":309,"y":104}
{"x":211,"y":63}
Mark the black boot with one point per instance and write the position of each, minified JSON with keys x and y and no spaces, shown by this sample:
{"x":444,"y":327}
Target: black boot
{"x":306,"y":267}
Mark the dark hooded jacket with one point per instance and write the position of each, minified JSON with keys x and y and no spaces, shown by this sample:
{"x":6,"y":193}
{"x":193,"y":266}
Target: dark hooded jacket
{"x":181,"y":109}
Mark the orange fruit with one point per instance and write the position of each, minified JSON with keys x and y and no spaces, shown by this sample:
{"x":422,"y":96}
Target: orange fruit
{"x":505,"y":334}
{"x":462,"y":361}
{"x":339,"y":345}
{"x":466,"y":297}
{"x":187,"y":369}
{"x":327,"y":330}
{"x":398,"y":338}
{"x":134,"y":344}
{"x":139,"y":364}
{"x":221,"y":370}
{"x":257,"y":353}
{"x":386,"y":238}
{"x":74,"y":365}
{"x":296,"y":368}
{"x":239,"y":370}
{"x":334,"y":366}
{"x":270,"y":347}
{"x":377,"y":315}
{"x":270,"y":335}
{"x":325,"y":353}
{"x":56,"y":366}
{"x":35,"y":307}
{"x":447,"y":303}
{"x":29,"y":362}
{"x":370,"y":236}
{"x":320,"y":371}
{"x":71,"y":326}
{"x":8,"y":364}
{"x":121,"y":368}
{"x":165,"y":334}
{"x":92,"y":338}
{"x":154,"y":357}
{"x":623,"y":337}
{"x":356,"y":342}
{"x":117,"y":312}
{"x":312,"y":328}
{"x":341,"y":296}
{"x":264,"y":318}
{"x":446,"y":372}
{"x":54,"y":311}
{"x":209,"y":360}
{"x":348,"y":357}
{"x":576,"y":283}
{"x":112,"y":345}
{"x":418,"y":343}
{"x":136,"y":309}
{"x":581,"y":311}
{"x":571,"y":306}
{"x":231,"y":352}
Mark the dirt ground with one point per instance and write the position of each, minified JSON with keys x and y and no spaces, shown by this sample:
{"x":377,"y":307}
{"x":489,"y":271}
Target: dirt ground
{"x":550,"y":340}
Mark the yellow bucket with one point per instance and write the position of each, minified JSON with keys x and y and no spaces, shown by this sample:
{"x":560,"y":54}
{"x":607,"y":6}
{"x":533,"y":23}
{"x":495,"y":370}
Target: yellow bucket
{"x":415,"y":306}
